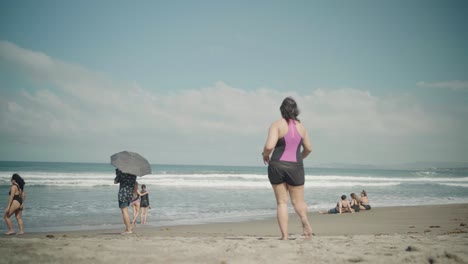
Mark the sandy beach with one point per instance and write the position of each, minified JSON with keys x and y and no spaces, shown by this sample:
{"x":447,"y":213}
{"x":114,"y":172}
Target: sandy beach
{"x":416,"y":234}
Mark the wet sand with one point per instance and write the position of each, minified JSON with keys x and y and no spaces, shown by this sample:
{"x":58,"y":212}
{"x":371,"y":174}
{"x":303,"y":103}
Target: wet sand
{"x":416,"y":234}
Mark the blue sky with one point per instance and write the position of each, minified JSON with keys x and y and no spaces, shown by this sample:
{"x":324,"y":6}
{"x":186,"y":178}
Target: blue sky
{"x":378,"y":82}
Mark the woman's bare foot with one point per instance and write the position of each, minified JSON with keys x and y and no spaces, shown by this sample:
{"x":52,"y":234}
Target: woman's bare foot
{"x":10,"y":233}
{"x":307,"y":231}
{"x":21,"y":233}
{"x":127,"y":233}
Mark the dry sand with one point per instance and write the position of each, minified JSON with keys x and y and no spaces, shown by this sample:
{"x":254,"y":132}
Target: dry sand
{"x":417,"y":234}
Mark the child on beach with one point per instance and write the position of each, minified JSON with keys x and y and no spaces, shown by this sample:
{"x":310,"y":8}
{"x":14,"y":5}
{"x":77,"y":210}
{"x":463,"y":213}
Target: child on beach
{"x":144,"y":205}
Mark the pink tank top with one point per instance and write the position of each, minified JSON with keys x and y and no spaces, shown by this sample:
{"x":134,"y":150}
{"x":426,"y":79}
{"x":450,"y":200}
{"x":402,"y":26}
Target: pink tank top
{"x":292,"y":143}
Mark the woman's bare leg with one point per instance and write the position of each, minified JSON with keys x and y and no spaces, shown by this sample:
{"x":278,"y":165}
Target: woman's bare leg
{"x":136,"y":211}
{"x":141,"y":214}
{"x":146,"y":216}
{"x":19,"y":218}
{"x":297,"y":199}
{"x":13,"y":208}
{"x":133,"y":212}
{"x":281,"y":194}
{"x":9,"y":224}
{"x":126,"y":220}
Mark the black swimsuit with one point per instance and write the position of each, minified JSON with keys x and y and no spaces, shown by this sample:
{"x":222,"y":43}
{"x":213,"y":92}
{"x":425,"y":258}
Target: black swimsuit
{"x":144,"y":201}
{"x":17,"y":197}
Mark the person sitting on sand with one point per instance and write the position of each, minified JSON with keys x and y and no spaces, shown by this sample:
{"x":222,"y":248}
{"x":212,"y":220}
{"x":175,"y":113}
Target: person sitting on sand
{"x":355,"y":202}
{"x":364,"y":205}
{"x":15,"y":204}
{"x":342,"y":206}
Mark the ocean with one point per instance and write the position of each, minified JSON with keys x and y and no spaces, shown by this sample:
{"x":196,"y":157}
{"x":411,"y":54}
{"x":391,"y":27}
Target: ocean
{"x":83,"y":196}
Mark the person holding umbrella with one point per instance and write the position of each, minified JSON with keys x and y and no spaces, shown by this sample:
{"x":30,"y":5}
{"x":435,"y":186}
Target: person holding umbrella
{"x":127,"y":183}
{"x":129,"y":165}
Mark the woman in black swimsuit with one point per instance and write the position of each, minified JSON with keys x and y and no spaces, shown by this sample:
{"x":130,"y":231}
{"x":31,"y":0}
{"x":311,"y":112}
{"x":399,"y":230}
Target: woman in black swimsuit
{"x":15,"y":204}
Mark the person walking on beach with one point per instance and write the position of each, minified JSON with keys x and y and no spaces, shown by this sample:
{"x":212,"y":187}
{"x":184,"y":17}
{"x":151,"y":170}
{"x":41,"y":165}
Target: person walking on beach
{"x":285,"y":138}
{"x":127,"y":183}
{"x":144,"y":205}
{"x":15,"y":204}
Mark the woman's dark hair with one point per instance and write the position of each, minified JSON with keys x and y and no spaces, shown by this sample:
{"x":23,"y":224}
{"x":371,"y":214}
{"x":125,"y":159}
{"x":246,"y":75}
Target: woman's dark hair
{"x":343,"y":197}
{"x":289,"y":110}
{"x":143,"y":186}
{"x":18,"y":180}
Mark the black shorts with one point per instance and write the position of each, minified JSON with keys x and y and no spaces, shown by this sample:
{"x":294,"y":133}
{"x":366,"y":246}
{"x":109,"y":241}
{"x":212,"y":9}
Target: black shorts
{"x":291,"y":173}
{"x":144,"y":204}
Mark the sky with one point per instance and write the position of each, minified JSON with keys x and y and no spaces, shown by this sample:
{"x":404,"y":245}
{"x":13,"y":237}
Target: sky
{"x":200,"y":82}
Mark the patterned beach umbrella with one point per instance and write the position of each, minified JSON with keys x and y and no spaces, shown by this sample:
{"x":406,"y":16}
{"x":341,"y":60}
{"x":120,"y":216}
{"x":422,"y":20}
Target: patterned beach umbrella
{"x":131,"y":163}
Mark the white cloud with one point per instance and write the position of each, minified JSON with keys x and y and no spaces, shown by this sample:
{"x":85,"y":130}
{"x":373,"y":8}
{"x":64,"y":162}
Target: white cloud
{"x":455,"y":85}
{"x":359,"y":112}
{"x":79,"y":105}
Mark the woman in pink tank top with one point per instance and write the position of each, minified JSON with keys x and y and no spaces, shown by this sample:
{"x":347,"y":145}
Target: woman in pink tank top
{"x":288,"y":143}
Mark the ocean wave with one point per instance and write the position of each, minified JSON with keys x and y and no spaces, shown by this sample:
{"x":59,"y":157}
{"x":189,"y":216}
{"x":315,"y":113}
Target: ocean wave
{"x":350,"y":184}
{"x":455,"y":184}
{"x":222,"y":180}
{"x":425,"y":173}
{"x":400,"y":179}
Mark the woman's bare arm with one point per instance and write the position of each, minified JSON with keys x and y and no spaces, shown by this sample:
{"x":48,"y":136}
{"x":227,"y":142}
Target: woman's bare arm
{"x":23,"y":195}
{"x":306,"y":144}
{"x":10,"y":199}
{"x":141,"y":193}
{"x":270,"y":142}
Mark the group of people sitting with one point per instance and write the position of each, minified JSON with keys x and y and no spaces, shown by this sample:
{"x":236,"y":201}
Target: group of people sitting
{"x":355,"y":204}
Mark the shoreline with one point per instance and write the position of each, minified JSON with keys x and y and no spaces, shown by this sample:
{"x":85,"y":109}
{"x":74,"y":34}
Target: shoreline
{"x":410,"y":234}
{"x":321,"y":223}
